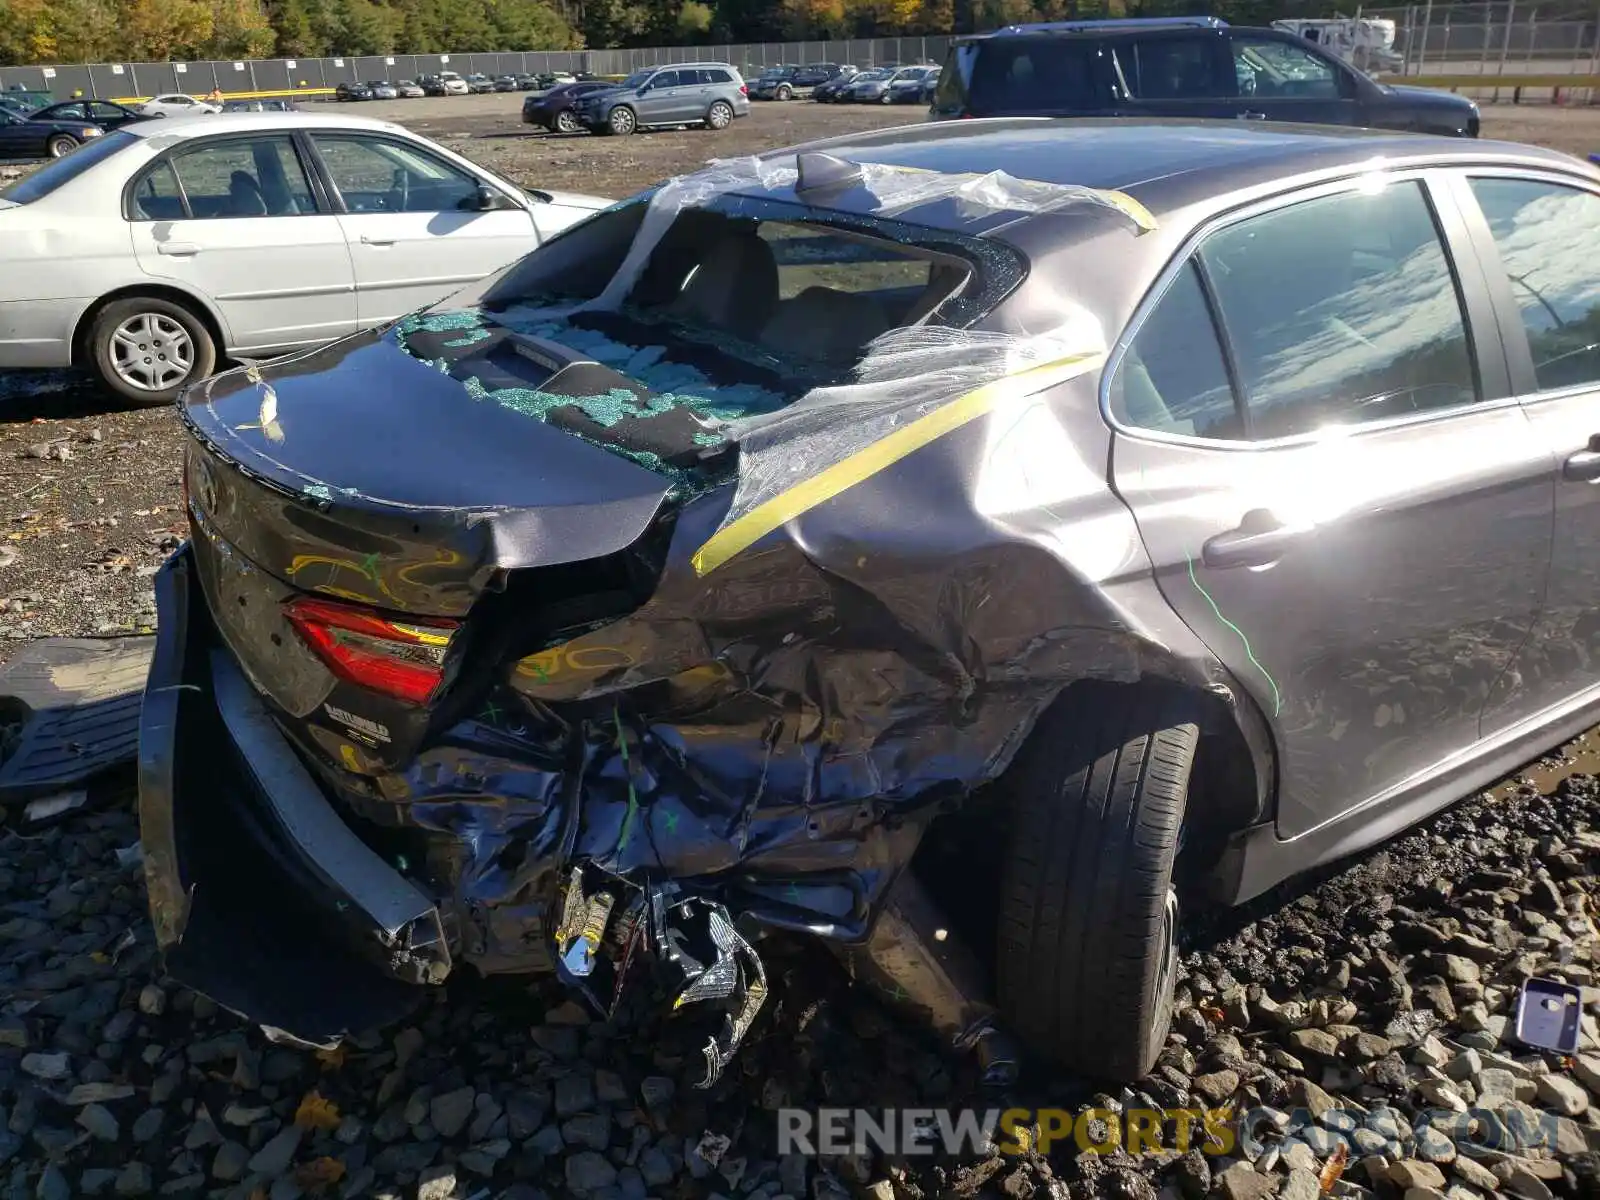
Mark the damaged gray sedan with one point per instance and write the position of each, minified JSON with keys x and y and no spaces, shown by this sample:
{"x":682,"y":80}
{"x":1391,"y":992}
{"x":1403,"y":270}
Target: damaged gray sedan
{"x":909,"y":540}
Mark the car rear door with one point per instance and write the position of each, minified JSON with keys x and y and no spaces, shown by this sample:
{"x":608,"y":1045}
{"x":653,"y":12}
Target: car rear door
{"x":1316,"y":434}
{"x":236,"y":219}
{"x":1541,"y":235}
{"x":412,"y":222}
{"x":1278,"y":79}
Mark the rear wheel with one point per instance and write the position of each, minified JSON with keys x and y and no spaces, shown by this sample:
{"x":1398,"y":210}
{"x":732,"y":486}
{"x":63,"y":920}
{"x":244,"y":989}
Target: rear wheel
{"x":720,"y":115}
{"x":621,"y":121}
{"x":567,"y":121}
{"x":1087,"y":943}
{"x":148,"y":349}
{"x":61,"y":145}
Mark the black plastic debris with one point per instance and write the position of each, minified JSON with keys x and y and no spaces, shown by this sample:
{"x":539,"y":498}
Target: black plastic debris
{"x":692,"y":937}
{"x":696,"y":937}
{"x":78,"y":702}
{"x":1549,"y":1014}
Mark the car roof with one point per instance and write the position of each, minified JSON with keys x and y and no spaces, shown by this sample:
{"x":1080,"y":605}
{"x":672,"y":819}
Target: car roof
{"x":244,"y":122}
{"x":1168,"y":163}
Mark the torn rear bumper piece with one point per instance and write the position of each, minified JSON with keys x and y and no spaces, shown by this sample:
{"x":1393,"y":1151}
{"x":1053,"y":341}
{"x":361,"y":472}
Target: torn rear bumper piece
{"x":261,"y":896}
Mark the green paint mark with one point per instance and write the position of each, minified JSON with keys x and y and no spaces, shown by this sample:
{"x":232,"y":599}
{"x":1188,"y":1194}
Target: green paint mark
{"x":633,"y":799}
{"x":490,"y":714}
{"x":671,"y":821}
{"x":369,"y":566}
{"x":794,"y":892}
{"x":896,"y":993}
{"x":1277,"y":700}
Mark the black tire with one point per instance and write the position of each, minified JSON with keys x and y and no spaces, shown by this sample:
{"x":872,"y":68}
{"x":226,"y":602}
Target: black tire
{"x":567,"y":121}
{"x":60,"y":145}
{"x":1088,"y":924}
{"x":622,"y":121}
{"x":719,"y":115}
{"x":114,"y":316}
{"x":785,"y":93}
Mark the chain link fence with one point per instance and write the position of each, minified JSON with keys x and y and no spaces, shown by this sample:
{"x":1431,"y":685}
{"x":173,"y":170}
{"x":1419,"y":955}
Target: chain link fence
{"x":1510,"y":37}
{"x":110,"y":81}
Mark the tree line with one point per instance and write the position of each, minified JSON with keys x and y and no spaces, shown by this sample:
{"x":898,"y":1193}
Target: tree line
{"x":67,"y":31}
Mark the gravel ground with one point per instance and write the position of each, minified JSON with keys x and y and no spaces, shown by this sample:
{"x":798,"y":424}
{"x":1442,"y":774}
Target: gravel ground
{"x":1359,"y":1007}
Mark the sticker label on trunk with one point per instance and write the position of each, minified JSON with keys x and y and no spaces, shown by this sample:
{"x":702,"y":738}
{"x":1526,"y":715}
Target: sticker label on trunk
{"x":358,"y":724}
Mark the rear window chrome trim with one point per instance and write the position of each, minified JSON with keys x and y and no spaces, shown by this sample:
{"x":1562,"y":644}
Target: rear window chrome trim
{"x":1428,"y":175}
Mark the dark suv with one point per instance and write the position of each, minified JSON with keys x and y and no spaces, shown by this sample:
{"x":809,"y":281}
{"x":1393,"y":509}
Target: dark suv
{"x":1179,"y":67}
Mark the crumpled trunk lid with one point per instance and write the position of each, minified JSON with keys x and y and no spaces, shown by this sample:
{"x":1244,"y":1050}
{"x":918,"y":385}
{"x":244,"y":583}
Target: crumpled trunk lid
{"x":363,"y":475}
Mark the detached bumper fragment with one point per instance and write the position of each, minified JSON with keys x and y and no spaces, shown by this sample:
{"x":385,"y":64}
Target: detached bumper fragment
{"x":261,"y":897}
{"x":691,"y":936}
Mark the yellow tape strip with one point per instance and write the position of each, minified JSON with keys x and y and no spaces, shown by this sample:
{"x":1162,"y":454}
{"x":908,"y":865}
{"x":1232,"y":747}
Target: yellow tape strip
{"x":1138,"y":213}
{"x":786,"y":506}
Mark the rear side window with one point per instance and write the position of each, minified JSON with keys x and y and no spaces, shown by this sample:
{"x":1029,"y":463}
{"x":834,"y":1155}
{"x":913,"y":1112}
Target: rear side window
{"x":63,"y":170}
{"x":1032,"y":75}
{"x":1341,"y":310}
{"x":1549,"y":240}
{"x":1169,"y":68}
{"x":1172,"y":377}
{"x":243,"y":177}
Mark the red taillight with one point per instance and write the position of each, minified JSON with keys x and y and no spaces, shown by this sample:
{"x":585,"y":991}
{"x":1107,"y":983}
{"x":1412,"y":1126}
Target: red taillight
{"x":404,"y":659}
{"x":744,"y":89}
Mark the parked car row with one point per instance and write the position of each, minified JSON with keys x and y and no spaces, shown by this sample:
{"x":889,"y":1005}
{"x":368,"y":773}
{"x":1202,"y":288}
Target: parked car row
{"x":841,"y":83}
{"x":450,"y":83}
{"x":709,"y":94}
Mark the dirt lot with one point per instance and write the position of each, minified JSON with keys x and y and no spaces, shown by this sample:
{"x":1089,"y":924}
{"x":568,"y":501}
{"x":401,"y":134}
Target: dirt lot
{"x":89,"y":488}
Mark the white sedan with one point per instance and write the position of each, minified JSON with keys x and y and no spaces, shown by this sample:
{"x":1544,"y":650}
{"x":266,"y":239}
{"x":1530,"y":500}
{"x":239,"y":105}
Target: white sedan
{"x":177,"y":104}
{"x":164,"y":246}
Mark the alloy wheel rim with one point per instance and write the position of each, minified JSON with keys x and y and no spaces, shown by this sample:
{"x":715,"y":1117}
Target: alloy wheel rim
{"x":622,"y":120}
{"x":719,"y":116}
{"x":60,"y":148}
{"x":151,"y":352}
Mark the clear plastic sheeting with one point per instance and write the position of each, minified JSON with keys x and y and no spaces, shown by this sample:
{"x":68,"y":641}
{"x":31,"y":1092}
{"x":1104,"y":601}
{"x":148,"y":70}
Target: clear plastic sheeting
{"x":894,"y":190}
{"x":914,"y":385}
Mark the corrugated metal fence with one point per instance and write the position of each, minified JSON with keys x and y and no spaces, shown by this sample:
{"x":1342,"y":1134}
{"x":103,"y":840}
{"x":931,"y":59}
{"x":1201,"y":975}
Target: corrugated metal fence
{"x":113,"y":80}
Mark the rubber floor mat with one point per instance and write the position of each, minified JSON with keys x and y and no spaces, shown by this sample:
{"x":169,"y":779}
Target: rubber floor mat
{"x":79,"y":699}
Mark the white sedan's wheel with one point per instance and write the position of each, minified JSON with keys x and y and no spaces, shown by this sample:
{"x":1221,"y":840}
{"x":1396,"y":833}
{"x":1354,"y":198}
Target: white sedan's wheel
{"x":148,"y":349}
{"x":151,"y":352}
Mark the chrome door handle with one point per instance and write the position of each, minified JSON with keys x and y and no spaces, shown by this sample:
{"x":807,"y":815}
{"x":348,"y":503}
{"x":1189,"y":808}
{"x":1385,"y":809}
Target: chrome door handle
{"x":368,"y":240}
{"x":1259,"y":541}
{"x":178,"y":249}
{"x":1252,"y":116}
{"x":1584,"y":466}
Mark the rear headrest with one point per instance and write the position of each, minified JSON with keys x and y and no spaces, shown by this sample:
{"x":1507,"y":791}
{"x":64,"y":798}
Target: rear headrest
{"x":734,"y":287}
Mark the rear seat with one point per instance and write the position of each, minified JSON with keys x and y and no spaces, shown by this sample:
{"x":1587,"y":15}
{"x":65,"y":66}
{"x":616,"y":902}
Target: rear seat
{"x":824,"y":323}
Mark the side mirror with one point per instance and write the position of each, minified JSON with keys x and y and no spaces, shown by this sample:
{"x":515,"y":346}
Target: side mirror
{"x":493,"y":199}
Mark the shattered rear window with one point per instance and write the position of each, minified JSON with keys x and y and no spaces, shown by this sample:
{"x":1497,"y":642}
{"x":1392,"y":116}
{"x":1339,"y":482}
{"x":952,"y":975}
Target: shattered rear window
{"x":785,"y":292}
